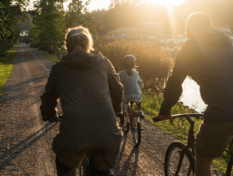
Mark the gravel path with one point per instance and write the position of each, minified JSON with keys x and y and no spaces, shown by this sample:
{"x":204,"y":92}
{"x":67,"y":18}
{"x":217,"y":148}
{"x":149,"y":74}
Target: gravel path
{"x":25,"y":140}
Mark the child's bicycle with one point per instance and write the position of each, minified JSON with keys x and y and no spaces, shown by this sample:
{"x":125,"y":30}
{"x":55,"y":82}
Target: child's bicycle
{"x":179,"y":159}
{"x":132,"y":120}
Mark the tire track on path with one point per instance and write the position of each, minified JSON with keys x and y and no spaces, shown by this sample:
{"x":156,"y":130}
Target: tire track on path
{"x":25,"y":140}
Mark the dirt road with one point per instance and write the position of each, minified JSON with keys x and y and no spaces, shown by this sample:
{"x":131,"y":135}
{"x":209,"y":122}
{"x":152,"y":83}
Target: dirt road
{"x":25,"y":140}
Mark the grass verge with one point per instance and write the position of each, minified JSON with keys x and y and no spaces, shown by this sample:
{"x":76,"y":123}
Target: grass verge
{"x":54,"y":57}
{"x":6,"y":67}
{"x":151,"y":104}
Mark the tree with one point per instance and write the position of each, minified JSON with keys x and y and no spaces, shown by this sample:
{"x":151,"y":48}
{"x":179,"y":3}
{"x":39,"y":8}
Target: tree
{"x":50,"y":21}
{"x":10,"y":15}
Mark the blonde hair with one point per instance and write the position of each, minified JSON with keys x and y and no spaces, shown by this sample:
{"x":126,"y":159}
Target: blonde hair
{"x":197,"y":20}
{"x":78,"y":38}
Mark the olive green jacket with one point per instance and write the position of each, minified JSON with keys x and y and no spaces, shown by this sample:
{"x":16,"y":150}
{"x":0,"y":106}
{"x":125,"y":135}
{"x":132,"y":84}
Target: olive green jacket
{"x":90,"y":93}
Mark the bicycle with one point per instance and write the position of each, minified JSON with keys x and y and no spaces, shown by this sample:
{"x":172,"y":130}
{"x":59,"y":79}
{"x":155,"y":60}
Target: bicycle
{"x":84,"y":166}
{"x":86,"y":154}
{"x":185,"y":152}
{"x":132,"y":120}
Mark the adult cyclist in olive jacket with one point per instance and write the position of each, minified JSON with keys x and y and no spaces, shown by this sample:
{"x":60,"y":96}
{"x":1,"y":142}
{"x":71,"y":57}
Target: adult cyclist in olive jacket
{"x":91,"y":93}
{"x":207,"y":56}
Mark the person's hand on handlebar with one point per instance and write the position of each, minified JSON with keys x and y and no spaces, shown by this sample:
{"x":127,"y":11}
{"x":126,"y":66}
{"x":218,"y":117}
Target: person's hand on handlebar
{"x":162,"y":117}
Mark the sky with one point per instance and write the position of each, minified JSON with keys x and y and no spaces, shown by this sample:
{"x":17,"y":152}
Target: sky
{"x":100,"y":4}
{"x":94,"y":5}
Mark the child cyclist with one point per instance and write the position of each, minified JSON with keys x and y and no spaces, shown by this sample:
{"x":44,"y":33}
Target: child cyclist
{"x":132,"y":85}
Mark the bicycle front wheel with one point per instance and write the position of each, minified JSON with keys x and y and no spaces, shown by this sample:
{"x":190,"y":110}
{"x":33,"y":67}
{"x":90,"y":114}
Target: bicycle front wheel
{"x":172,"y":158}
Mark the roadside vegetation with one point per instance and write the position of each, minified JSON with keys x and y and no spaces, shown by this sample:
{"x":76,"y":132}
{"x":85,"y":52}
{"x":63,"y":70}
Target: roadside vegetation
{"x":52,"y":57}
{"x":11,"y":17}
{"x":50,"y":22}
{"x":154,"y":66}
{"x":6,"y":66}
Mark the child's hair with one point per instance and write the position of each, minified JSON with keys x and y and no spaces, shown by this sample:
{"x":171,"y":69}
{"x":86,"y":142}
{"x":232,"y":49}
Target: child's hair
{"x":129,"y":62}
{"x":78,"y":38}
{"x":129,"y":71}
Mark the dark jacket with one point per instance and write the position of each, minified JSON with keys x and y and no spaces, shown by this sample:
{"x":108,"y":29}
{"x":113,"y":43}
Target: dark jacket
{"x":84,"y":82}
{"x":208,"y":58}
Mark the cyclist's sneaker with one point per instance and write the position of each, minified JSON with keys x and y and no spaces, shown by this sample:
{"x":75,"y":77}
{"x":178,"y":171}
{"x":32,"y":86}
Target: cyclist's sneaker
{"x":119,"y":114}
{"x":142,"y":115}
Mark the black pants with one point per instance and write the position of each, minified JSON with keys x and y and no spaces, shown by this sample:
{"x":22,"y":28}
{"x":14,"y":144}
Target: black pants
{"x":63,"y":170}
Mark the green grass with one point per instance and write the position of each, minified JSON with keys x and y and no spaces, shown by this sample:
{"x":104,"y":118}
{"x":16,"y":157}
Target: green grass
{"x":6,"y":67}
{"x":151,"y":105}
{"x":54,"y":57}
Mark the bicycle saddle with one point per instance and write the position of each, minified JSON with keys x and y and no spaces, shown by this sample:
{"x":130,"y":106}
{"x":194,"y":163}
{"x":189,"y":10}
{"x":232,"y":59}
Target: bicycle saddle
{"x":90,"y":151}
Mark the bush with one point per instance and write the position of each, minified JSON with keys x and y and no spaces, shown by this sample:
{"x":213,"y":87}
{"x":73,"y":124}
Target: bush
{"x":152,"y":63}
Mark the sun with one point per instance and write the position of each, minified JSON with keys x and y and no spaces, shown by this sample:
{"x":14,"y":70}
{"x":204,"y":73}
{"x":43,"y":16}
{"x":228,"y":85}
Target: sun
{"x":167,"y":3}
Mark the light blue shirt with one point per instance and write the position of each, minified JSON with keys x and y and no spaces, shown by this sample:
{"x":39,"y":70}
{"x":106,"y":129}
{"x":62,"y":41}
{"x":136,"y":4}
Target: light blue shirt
{"x":132,"y":84}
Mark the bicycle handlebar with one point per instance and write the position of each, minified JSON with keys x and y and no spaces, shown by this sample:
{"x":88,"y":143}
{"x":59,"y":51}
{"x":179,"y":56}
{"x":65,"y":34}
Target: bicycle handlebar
{"x":187,"y":116}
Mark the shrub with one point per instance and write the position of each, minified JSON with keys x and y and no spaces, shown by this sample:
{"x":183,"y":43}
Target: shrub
{"x":152,"y":63}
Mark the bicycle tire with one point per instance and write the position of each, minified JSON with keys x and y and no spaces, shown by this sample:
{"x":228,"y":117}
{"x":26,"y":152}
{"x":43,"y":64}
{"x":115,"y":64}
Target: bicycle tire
{"x":185,"y":166}
{"x":139,"y":134}
{"x":127,"y":128}
{"x":85,"y":167}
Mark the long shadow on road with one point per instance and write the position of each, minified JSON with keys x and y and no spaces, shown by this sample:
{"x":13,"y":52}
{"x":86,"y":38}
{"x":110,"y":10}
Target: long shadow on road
{"x":14,"y":151}
{"x":128,"y":167}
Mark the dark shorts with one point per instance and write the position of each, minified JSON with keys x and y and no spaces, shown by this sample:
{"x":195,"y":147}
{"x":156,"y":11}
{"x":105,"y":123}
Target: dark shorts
{"x":212,"y":139}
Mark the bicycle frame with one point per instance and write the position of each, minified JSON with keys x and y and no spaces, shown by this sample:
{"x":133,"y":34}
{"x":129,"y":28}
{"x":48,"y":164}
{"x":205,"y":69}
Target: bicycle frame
{"x":191,"y":139}
{"x":134,"y":119}
{"x":191,"y":143}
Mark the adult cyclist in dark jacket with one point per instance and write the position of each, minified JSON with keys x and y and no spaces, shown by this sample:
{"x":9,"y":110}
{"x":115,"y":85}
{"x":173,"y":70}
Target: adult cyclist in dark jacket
{"x":91,"y":93}
{"x":207,"y":56}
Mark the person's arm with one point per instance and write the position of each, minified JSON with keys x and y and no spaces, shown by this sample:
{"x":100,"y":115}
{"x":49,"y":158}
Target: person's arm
{"x":140,"y":82}
{"x":115,"y":87}
{"x":49,"y":99}
{"x":173,"y":89}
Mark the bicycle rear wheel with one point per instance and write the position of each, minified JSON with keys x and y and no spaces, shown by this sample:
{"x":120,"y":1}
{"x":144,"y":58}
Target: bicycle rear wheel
{"x":136,"y":132}
{"x":126,"y":123}
{"x":172,"y":160}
